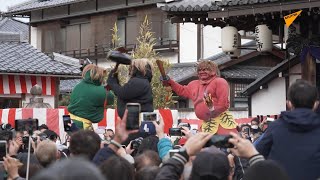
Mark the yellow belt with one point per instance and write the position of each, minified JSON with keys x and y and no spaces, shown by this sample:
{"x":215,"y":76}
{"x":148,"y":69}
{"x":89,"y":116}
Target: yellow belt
{"x":87,"y":124}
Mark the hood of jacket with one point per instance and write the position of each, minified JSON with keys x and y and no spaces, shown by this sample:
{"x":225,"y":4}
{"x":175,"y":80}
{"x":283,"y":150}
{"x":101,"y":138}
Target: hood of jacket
{"x":139,"y":74}
{"x":301,"y":119}
{"x":88,"y":79}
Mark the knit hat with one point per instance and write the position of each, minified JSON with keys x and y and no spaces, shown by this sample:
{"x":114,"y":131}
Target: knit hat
{"x":211,"y":163}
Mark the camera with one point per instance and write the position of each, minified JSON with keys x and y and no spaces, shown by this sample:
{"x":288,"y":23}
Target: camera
{"x":220,"y":141}
{"x":6,"y":127}
{"x":136,"y":143}
{"x":25,"y":140}
{"x":149,"y":116}
{"x":175,"y":132}
{"x":182,"y":124}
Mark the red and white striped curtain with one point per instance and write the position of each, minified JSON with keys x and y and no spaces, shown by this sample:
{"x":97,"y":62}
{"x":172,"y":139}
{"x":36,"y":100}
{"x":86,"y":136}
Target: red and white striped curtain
{"x":12,"y":84}
{"x":53,"y":118}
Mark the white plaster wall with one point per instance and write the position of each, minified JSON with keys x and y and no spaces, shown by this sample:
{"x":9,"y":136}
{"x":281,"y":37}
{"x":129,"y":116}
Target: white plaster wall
{"x":171,"y":56}
{"x":33,"y":37}
{"x":211,"y":41}
{"x":270,"y":101}
{"x":188,"y":42}
{"x":46,"y":99}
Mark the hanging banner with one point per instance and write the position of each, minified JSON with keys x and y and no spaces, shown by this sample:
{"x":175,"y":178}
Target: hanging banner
{"x":291,"y":17}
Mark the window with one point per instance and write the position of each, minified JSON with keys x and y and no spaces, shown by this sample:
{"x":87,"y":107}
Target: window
{"x":10,"y":103}
{"x":236,"y":98}
{"x":238,"y":89}
{"x":121,"y":25}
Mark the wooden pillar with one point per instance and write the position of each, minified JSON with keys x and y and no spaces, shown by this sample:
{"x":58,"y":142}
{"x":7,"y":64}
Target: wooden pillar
{"x":57,"y":93}
{"x":309,"y":69}
{"x":199,"y":41}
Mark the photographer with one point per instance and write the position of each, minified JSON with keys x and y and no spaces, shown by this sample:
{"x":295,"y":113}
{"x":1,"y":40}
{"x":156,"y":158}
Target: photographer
{"x":115,"y":145}
{"x":293,"y":139}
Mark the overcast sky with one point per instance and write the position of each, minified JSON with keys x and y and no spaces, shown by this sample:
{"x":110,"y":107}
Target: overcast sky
{"x":5,"y":3}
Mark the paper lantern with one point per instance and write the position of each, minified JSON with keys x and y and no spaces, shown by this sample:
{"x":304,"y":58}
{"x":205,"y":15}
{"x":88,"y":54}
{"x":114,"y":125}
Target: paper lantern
{"x":229,"y":39}
{"x":263,"y":38}
{"x":237,"y":52}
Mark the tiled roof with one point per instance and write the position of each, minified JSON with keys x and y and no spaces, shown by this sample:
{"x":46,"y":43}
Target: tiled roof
{"x":242,"y":2}
{"x":188,"y":5}
{"x":12,"y":25}
{"x":222,"y":57}
{"x":244,"y":72}
{"x":205,"y":5}
{"x":182,"y":71}
{"x":36,"y":4}
{"x":17,"y":57}
{"x":270,"y":75}
{"x":66,"y":86}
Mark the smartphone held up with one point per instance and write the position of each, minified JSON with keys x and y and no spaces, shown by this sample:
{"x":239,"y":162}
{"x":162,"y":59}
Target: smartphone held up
{"x":3,"y":149}
{"x":133,"y":116}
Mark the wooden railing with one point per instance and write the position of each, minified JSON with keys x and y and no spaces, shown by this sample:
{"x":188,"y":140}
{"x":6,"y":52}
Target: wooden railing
{"x":101,"y":51}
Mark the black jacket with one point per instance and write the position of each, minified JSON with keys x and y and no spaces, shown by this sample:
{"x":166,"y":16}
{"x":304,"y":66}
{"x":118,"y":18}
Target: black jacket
{"x":172,"y":168}
{"x":293,"y":141}
{"x":136,"y":90}
{"x":102,"y":155}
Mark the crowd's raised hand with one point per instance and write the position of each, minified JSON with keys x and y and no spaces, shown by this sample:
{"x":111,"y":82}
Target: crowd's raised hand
{"x":242,"y":147}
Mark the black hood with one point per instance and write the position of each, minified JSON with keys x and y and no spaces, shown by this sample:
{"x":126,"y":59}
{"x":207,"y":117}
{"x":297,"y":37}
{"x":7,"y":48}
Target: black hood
{"x":139,"y":74}
{"x":301,"y":119}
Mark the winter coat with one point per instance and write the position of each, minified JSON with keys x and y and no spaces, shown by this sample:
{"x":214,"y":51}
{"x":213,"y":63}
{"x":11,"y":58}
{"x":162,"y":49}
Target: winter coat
{"x":136,"y":90}
{"x":88,"y":99}
{"x":102,"y":155}
{"x":293,"y":141}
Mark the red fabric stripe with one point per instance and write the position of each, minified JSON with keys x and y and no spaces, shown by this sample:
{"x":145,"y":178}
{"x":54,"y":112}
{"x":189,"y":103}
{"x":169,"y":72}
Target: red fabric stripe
{"x":167,"y":118}
{"x":12,"y":117}
{"x":27,"y":113}
{"x":65,"y":110}
{"x":33,"y":80}
{"x":104,"y":120}
{"x":44,"y":85}
{"x":53,"y":86}
{"x":1,"y":115}
{"x":1,"y":85}
{"x":53,"y":120}
{"x":12,"y":86}
{"x":23,"y":84}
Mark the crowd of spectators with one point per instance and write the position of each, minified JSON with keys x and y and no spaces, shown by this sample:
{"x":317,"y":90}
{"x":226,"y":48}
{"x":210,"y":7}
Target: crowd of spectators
{"x":287,"y":148}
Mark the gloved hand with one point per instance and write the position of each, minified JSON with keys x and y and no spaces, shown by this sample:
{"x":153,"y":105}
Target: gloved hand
{"x":113,"y":77}
{"x":165,"y":80}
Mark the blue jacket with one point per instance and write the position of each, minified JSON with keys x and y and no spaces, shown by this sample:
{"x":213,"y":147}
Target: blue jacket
{"x":294,"y":142}
{"x":164,"y":146}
